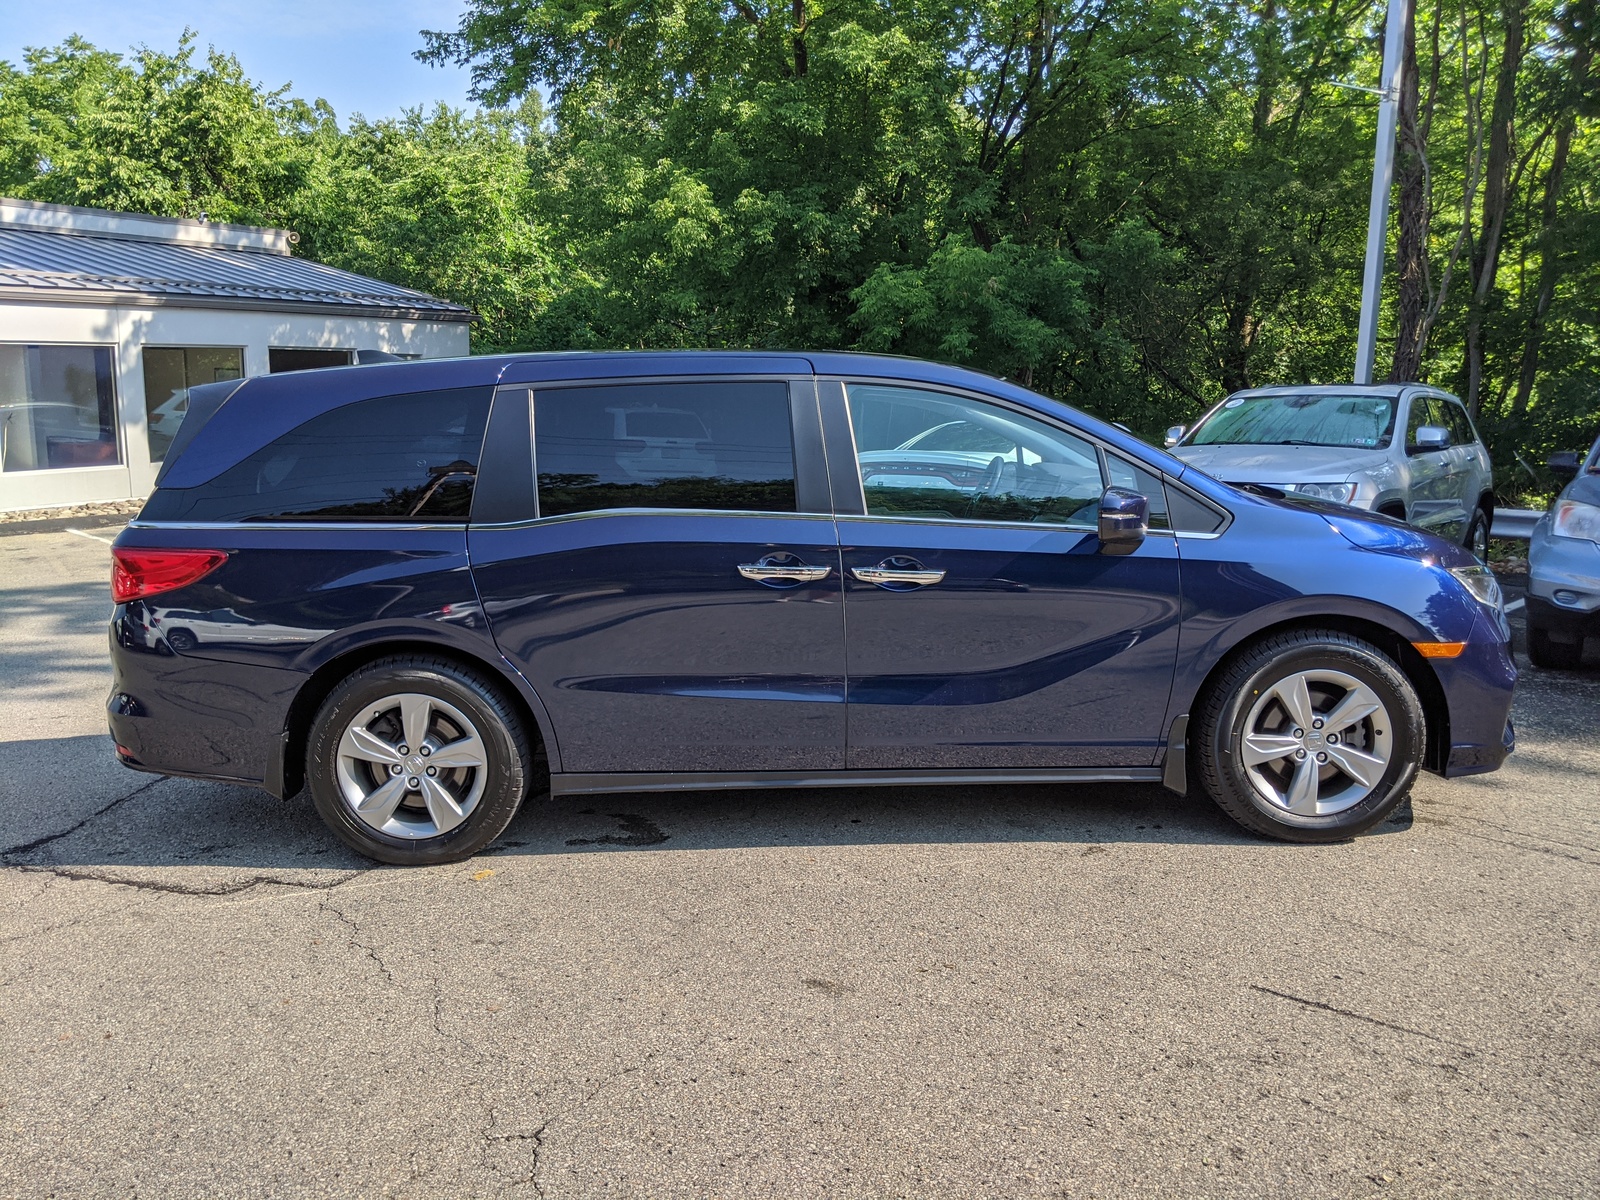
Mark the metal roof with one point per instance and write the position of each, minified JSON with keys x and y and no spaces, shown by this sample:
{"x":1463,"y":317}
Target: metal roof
{"x":57,"y":266}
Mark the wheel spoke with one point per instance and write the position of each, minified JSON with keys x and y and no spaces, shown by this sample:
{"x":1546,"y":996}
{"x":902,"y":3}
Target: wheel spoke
{"x":362,"y":743}
{"x":1267,"y":747}
{"x":381,"y":802}
{"x":463,"y":752}
{"x":1302,"y":795}
{"x":1295,"y":697}
{"x":1360,"y":766}
{"x":415,"y":714}
{"x":442,"y":806}
{"x":1358,"y":704}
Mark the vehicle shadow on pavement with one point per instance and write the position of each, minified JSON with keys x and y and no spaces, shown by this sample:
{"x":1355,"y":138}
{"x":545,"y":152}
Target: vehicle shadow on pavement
{"x":152,"y":822}
{"x":40,"y":665}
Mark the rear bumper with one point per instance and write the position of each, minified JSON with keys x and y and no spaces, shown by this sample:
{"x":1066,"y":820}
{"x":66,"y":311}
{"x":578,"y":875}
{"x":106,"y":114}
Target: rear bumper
{"x":198,"y":717}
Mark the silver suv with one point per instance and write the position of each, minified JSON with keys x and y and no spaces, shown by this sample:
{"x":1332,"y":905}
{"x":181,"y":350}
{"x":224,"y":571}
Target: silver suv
{"x":1338,"y":443}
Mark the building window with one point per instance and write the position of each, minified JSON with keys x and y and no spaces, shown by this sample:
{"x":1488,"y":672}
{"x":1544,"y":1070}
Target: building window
{"x":169,"y":373}
{"x":57,"y":408}
{"x":281,"y":359}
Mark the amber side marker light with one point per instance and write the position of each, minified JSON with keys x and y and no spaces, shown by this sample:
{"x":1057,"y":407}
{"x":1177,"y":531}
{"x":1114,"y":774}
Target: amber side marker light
{"x":137,"y":572}
{"x":1440,"y":649}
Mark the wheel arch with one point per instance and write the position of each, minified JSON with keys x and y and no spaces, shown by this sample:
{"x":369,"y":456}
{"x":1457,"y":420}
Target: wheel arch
{"x":1435,"y":705}
{"x":285,"y":774}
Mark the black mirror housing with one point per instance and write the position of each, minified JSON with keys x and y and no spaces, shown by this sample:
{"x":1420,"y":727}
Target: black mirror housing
{"x":1124,"y":521}
{"x":1563,"y":464}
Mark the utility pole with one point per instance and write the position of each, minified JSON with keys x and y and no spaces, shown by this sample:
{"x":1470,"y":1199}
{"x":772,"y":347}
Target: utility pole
{"x":1382,"y":181}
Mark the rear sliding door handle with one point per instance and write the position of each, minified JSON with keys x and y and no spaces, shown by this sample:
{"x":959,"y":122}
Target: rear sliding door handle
{"x":897,"y":577}
{"x":770,"y":572}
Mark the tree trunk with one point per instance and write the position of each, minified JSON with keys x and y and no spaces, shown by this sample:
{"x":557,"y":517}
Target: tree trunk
{"x":1496,"y":194}
{"x":1549,"y":259}
{"x":1411,"y":252}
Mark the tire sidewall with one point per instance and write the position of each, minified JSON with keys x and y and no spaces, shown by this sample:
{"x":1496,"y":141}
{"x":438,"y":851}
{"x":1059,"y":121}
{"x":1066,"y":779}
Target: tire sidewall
{"x":502,"y":790}
{"x":1478,"y":523}
{"x":1405,"y":713}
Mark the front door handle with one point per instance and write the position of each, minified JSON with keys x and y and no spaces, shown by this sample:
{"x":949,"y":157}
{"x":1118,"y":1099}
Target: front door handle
{"x":892,"y":577}
{"x":782,"y":572}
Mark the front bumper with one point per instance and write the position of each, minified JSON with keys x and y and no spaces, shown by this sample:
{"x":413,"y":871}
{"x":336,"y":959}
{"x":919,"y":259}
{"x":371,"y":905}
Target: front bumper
{"x":1478,"y":688}
{"x":1563,"y":584}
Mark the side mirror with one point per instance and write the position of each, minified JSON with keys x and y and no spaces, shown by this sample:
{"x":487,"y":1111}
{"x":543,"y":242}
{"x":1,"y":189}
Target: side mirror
{"x":1563,"y":464}
{"x":1432,"y":437}
{"x":1175,"y":435}
{"x":1124,"y":521}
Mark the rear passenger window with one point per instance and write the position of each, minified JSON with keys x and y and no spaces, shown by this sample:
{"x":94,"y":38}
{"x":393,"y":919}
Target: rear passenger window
{"x":718,"y":446}
{"x":396,"y":458}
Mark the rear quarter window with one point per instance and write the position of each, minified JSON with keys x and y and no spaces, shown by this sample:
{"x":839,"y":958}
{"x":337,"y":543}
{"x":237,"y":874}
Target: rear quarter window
{"x":412,"y":457}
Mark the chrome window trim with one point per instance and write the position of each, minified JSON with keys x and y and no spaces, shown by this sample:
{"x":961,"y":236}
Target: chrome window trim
{"x":966,"y":523}
{"x":281,"y":525}
{"x":659,"y":512}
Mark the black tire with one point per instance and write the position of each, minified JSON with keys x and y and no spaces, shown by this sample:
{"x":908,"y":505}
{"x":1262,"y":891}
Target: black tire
{"x":1544,"y":651}
{"x":507,"y":759}
{"x":182,"y":640}
{"x":1477,"y":535}
{"x":1254,"y":674}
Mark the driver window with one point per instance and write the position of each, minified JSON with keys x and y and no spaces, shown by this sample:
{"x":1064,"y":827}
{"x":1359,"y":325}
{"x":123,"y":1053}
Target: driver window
{"x":1422,"y":413}
{"x":928,"y":454}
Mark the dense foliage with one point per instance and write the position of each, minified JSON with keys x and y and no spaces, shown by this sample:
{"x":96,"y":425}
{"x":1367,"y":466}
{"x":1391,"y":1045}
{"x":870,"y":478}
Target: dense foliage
{"x":1136,"y":205}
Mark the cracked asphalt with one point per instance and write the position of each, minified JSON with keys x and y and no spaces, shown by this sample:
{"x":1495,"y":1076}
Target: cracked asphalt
{"x":1029,"y":991}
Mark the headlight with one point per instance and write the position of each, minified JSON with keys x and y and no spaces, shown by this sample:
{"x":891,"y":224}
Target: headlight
{"x":1574,"y":519}
{"x":1341,"y":493}
{"x":1480,"y":581}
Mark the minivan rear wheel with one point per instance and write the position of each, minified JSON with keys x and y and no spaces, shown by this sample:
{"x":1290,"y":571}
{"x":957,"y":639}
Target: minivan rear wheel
{"x":417,"y":760}
{"x":1310,"y":736}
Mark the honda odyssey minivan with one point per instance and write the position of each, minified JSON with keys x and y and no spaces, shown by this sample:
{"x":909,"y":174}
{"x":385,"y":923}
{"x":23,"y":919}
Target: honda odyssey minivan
{"x":414,"y":590}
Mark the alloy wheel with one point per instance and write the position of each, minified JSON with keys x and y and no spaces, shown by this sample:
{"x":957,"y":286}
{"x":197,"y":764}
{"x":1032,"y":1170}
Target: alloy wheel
{"x":1316,"y":743}
{"x":411,"y":766}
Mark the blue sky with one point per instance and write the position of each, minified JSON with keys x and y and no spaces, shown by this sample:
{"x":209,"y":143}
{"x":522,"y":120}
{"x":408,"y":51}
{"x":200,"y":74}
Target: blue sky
{"x":357,"y":56}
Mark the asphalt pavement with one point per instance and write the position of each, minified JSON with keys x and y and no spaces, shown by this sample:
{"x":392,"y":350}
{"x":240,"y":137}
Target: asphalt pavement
{"x":968,"y":992}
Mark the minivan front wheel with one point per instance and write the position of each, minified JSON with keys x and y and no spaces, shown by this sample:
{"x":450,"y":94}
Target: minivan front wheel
{"x":1310,"y":736}
{"x":416,"y":761}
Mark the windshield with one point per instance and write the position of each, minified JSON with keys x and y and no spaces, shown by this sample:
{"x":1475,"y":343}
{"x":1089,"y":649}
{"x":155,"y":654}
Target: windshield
{"x":1358,"y":422}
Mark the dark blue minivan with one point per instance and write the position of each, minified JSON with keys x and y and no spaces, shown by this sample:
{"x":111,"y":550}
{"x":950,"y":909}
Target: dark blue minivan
{"x":415,"y":588}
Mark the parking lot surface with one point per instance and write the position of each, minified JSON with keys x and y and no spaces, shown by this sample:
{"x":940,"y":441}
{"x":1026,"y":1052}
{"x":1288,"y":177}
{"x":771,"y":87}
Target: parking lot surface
{"x":966,"y":992}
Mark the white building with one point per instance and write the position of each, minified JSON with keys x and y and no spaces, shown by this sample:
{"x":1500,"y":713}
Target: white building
{"x":107,"y":318}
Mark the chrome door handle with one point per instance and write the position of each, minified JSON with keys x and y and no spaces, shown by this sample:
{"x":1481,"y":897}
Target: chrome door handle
{"x":763,"y":572}
{"x":889,"y":576}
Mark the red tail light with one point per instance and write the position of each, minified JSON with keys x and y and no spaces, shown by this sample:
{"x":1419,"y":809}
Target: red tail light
{"x":137,"y":572}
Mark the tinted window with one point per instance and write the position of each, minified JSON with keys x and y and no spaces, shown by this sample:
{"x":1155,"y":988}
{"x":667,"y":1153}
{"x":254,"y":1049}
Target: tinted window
{"x":1461,"y":431}
{"x":1189,"y":515}
{"x":928,"y":454}
{"x":722,"y":446}
{"x":1357,"y":421}
{"x":1136,"y":479}
{"x":396,"y":458}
